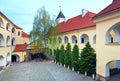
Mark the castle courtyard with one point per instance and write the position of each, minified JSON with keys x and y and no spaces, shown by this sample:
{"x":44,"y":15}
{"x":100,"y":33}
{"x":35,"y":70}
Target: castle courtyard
{"x":40,"y":71}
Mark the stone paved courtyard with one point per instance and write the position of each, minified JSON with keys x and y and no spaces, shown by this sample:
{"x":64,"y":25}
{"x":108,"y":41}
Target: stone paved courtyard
{"x":40,"y":71}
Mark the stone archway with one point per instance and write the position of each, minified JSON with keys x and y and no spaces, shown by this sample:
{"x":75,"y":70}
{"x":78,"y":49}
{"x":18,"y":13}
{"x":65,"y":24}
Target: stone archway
{"x":74,"y":39}
{"x":84,"y":38}
{"x":113,"y":34}
{"x":60,"y":40}
{"x":94,"y":39}
{"x":8,"y":58}
{"x":15,"y":58}
{"x":65,"y":40}
{"x":1,"y":40}
{"x":2,"y":63}
{"x":112,"y":69}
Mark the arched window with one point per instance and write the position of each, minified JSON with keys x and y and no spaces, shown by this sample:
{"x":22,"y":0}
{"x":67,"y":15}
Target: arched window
{"x":13,"y":30}
{"x":84,"y":38}
{"x":13,"y":41}
{"x":113,"y":34}
{"x":74,"y":39}
{"x":94,"y":39}
{"x":60,"y":40}
{"x":65,"y":39}
{"x":2,"y":63}
{"x":1,"y":23}
{"x":1,"y":40}
{"x":8,"y":41}
{"x":8,"y":26}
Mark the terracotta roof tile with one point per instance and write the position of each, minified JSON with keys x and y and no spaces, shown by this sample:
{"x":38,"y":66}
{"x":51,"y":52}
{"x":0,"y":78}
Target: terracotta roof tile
{"x":113,"y":6}
{"x":20,"y":47}
{"x":25,"y":34}
{"x":77,"y":22}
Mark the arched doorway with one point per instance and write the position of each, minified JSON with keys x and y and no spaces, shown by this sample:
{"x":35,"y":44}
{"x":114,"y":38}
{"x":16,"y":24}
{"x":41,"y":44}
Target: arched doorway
{"x":65,"y":40}
{"x":60,"y":40}
{"x":84,"y":38}
{"x":113,"y":70}
{"x":94,"y":39}
{"x":74,"y":39}
{"x":1,"y":61}
{"x":1,"y":40}
{"x":15,"y":58}
{"x":8,"y":41}
{"x":13,"y":41}
{"x":8,"y":58}
{"x":113,"y":34}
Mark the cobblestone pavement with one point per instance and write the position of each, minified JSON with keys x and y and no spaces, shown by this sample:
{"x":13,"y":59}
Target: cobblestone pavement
{"x":115,"y":77}
{"x":40,"y":71}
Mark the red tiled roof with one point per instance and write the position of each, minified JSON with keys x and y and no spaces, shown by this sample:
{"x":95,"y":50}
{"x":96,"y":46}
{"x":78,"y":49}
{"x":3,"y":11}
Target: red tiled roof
{"x":18,"y":27}
{"x":113,"y":6}
{"x":20,"y":47}
{"x":77,"y":22}
{"x":25,"y":34}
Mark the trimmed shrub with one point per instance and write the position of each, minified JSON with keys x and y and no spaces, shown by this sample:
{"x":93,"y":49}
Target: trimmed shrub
{"x":68,"y":56}
{"x":75,"y":56}
{"x":88,"y":60}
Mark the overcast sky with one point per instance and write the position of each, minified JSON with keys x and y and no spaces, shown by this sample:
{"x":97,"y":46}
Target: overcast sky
{"x":22,"y":12}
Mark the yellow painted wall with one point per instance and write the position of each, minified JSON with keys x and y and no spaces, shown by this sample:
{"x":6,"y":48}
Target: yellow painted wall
{"x":5,"y":49}
{"x":21,"y":55}
{"x":25,"y":40}
{"x":106,"y":52}
{"x":78,"y":33}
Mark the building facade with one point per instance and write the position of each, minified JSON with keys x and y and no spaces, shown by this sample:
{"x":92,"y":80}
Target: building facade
{"x":102,"y":30}
{"x":10,"y":36}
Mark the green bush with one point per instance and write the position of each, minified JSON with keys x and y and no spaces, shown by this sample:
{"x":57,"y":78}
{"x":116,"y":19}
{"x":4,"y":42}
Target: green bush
{"x":62,"y":55}
{"x":68,"y":56}
{"x":88,"y":59}
{"x":75,"y":56}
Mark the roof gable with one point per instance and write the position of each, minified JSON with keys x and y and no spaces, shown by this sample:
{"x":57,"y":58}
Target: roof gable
{"x":113,"y":6}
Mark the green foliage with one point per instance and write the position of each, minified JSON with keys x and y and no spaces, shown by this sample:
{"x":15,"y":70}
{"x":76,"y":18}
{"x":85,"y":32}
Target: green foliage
{"x":52,"y":37}
{"x":68,"y":56}
{"x":87,"y":61}
{"x":41,"y":25}
{"x":57,"y":56}
{"x":51,"y":52}
{"x":62,"y":54}
{"x":75,"y":56}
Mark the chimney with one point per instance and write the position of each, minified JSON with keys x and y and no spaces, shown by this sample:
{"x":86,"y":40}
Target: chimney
{"x":84,"y":12}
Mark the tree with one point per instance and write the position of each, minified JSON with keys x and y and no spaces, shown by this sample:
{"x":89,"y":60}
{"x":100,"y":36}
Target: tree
{"x":75,"y":56}
{"x":62,"y":55}
{"x":57,"y":56}
{"x":88,"y":59}
{"x":41,"y":25}
{"x":68,"y":56}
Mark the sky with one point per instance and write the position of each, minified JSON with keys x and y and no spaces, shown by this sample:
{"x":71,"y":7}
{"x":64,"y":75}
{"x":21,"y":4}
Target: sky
{"x":22,"y":12}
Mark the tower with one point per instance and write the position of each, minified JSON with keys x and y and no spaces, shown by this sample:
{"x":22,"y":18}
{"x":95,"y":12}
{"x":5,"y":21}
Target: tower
{"x":60,"y":18}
